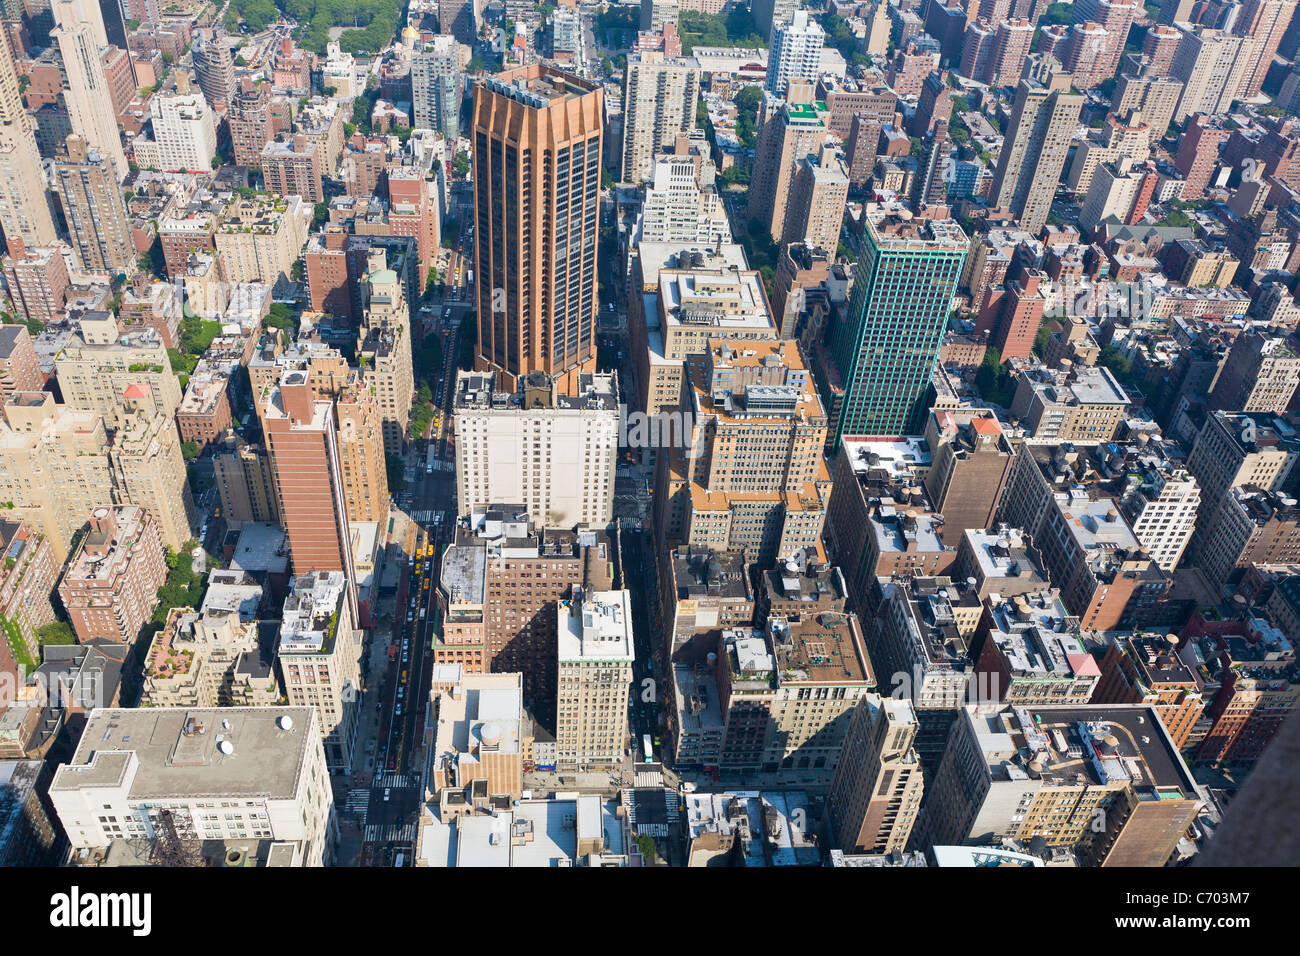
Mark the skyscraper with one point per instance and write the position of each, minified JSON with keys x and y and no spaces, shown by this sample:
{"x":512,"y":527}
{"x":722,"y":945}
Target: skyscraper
{"x":876,"y":793}
{"x":1266,"y":21}
{"x":788,"y":131}
{"x":459,"y":18}
{"x":361,"y":452}
{"x":1213,"y":66}
{"x":214,"y":66}
{"x":537,"y":163}
{"x":384,"y":347}
{"x":1043,"y":120}
{"x":818,"y":194}
{"x":658,"y":103}
{"x":80,"y":34}
{"x":436,"y":87}
{"x":902,"y":296}
{"x":796,"y":52}
{"x":1115,"y":17}
{"x":92,"y":205}
{"x":769,"y":14}
{"x":303,"y":446}
{"x":24,"y":210}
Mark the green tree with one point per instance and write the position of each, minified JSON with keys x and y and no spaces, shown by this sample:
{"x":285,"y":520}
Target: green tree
{"x":1113,"y":359}
{"x":475,"y":64}
{"x":280,"y":316}
{"x":320,"y":214}
{"x":189,"y":450}
{"x":1041,"y":339}
{"x":56,"y":632}
{"x":993,"y":379}
{"x":607,"y":66}
{"x":461,"y":165}
{"x":1057,"y":14}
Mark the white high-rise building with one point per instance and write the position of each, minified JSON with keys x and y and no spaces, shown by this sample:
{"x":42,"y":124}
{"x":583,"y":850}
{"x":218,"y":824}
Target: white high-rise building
{"x":1114,"y":187}
{"x":655,"y":13}
{"x":554,"y":454}
{"x":231,"y":773}
{"x":1161,"y":508}
{"x":682,"y":205}
{"x":595,"y":654}
{"x":79,"y":32}
{"x":184,"y":134}
{"x":796,"y":52}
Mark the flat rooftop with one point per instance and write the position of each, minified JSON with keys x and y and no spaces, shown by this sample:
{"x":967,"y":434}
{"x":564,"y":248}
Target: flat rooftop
{"x":538,"y":86}
{"x":532,"y":833}
{"x":898,"y":457}
{"x":596,"y":626}
{"x":176,"y":752}
{"x":824,"y":648}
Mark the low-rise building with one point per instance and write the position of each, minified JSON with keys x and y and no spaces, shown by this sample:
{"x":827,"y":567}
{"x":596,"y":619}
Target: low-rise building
{"x":480,"y":736}
{"x":175,"y":777}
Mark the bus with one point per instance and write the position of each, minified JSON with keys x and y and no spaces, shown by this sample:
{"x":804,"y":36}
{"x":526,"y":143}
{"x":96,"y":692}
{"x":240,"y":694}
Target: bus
{"x":645,"y":746}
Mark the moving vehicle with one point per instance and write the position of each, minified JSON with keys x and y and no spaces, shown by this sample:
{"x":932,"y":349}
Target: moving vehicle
{"x":388,"y":793}
{"x":646,"y":749}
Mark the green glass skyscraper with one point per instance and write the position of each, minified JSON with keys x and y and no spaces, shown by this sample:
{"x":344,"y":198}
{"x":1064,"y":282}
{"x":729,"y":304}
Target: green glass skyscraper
{"x":886,"y":348}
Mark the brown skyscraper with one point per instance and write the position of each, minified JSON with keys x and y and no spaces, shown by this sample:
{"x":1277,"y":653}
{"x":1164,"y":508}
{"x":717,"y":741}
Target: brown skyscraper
{"x":303,"y":446}
{"x":537,"y":155}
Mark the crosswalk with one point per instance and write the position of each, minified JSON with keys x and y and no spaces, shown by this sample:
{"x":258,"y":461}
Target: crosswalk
{"x":426,"y":517}
{"x":397,"y":780}
{"x":390,"y":833}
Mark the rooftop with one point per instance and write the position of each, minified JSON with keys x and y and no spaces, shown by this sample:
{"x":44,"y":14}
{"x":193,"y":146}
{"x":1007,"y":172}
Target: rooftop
{"x":311,"y":612}
{"x":823,"y":648}
{"x":596,"y":625}
{"x":1082,"y":745}
{"x":156,"y":753}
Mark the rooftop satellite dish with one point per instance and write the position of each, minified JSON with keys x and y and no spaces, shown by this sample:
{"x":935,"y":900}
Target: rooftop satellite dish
{"x":226,"y":747}
{"x":285,"y":722}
